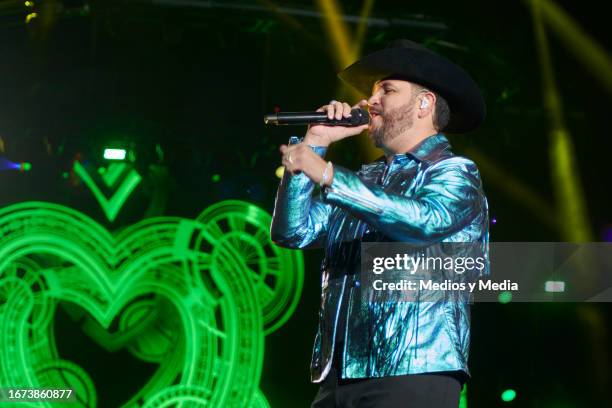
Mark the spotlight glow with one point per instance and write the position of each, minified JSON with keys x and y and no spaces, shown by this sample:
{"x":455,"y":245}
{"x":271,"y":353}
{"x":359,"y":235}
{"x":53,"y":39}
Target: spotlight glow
{"x":6,"y":164}
{"x":30,"y":17}
{"x":115,"y":154}
{"x":504,"y":297}
{"x":508,"y":395}
{"x":554,"y":286}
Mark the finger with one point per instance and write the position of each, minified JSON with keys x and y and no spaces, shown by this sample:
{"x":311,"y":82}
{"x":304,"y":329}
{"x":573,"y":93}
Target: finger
{"x":291,"y":154}
{"x":323,"y":108}
{"x":292,"y":148}
{"x":285,"y":162}
{"x":331,"y":109}
{"x":283,"y":149}
{"x":338,"y":110}
{"x":346,"y":110}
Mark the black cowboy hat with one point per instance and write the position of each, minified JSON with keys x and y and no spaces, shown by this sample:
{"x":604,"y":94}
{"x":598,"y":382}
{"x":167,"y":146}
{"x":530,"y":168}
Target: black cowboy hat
{"x":405,"y":59}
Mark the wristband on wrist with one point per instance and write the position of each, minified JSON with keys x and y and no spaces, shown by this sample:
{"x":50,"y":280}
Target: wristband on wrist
{"x":326,"y":174}
{"x":295,"y":140}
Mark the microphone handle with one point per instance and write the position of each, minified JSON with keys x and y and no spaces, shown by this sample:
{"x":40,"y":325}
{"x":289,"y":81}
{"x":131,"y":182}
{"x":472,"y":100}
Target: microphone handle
{"x":358,"y":117}
{"x":299,"y":118}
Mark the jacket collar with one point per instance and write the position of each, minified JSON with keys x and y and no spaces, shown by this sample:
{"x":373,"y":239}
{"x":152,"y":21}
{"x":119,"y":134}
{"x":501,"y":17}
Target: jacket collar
{"x":428,"y":150}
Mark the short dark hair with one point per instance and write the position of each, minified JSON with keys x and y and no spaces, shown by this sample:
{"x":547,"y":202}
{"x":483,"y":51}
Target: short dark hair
{"x":441,"y":115}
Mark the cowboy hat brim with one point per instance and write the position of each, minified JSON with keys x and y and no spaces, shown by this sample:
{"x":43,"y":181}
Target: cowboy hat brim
{"x":404,"y":59}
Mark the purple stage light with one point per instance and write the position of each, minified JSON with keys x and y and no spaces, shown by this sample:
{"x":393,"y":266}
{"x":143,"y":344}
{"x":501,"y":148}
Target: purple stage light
{"x":607,"y":233}
{"x":6,"y":164}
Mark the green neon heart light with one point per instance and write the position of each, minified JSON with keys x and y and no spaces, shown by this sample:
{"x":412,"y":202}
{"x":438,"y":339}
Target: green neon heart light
{"x":219,"y":273}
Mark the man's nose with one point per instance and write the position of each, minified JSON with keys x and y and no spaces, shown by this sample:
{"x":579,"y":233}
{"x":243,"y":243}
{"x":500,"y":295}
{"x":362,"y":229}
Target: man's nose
{"x":374,"y":99}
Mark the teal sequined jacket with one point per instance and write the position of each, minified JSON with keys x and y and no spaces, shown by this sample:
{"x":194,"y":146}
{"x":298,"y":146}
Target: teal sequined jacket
{"x":428,"y":195}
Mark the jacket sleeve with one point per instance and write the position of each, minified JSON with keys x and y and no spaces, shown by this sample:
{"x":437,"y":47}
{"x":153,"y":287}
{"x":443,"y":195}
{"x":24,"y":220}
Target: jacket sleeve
{"x":447,"y":199}
{"x":299,"y":220}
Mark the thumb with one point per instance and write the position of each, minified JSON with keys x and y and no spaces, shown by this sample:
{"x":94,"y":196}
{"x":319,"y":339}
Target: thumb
{"x":360,"y":129}
{"x":361,"y":104}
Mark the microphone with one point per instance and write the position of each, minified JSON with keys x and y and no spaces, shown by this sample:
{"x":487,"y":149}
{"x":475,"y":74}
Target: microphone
{"x":359,"y":116}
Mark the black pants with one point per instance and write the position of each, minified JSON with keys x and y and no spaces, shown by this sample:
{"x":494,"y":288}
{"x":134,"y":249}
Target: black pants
{"x":404,"y":391}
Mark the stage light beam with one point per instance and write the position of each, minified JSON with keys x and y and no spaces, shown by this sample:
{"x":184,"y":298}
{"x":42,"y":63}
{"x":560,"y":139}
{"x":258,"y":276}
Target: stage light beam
{"x":366,"y":11}
{"x":347,"y":49}
{"x":586,"y":50}
{"x":515,"y":188}
{"x":338,"y":31}
{"x":569,"y":195}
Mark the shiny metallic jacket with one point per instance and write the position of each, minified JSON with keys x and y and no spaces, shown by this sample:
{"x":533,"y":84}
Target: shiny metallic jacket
{"x":428,"y":195}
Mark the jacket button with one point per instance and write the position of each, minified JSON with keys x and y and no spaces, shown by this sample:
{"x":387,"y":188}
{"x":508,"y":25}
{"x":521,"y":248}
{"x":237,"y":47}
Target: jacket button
{"x":355,"y":284}
{"x":316,"y":365}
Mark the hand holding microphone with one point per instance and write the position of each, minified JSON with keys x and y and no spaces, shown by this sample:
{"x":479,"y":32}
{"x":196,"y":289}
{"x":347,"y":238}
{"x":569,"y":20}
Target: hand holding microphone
{"x":326,"y":129}
{"x":323,"y":135}
{"x":330,"y":123}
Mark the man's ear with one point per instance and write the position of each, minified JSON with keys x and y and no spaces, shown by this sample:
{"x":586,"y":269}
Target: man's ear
{"x":426,"y":105}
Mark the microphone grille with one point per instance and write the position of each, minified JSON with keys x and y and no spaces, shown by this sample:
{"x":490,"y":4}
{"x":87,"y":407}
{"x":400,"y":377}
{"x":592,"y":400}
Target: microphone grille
{"x":359,"y":116}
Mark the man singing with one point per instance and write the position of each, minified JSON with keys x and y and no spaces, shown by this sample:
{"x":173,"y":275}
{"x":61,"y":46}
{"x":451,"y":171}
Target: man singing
{"x":387,"y":354}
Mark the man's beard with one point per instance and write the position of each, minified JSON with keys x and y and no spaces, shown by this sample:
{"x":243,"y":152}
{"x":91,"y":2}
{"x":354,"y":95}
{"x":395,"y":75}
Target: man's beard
{"x":395,"y":122}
